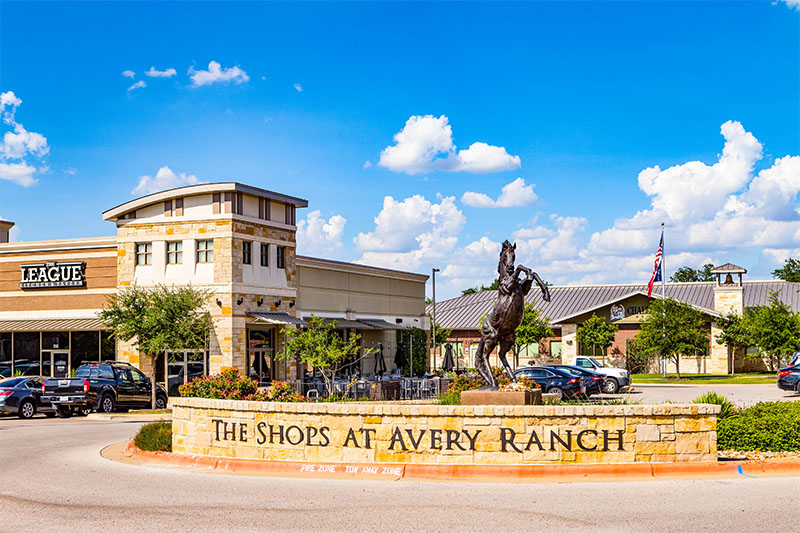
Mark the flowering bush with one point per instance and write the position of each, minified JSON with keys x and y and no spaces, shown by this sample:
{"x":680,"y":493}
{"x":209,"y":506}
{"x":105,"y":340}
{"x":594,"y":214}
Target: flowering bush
{"x":231,"y":385}
{"x":471,"y":382}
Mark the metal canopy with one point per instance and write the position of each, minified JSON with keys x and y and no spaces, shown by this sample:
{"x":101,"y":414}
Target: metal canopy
{"x":343,"y":323}
{"x":275,"y":318}
{"x":381,"y":324}
{"x":53,"y":324}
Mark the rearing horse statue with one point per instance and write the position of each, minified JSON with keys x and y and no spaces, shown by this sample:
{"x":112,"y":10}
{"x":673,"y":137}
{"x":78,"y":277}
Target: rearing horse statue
{"x":500,"y":326}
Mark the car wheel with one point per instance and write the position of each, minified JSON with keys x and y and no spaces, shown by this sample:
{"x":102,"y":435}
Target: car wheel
{"x":107,"y":404}
{"x":558,"y":391}
{"x":26,"y":409}
{"x":64,"y":411}
{"x":610,"y":386}
{"x":161,"y":402}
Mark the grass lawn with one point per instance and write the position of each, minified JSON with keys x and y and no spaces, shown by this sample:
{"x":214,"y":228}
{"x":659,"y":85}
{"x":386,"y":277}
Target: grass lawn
{"x":705,"y":379}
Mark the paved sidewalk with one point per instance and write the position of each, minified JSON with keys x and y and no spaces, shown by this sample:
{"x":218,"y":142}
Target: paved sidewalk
{"x":742,"y":395}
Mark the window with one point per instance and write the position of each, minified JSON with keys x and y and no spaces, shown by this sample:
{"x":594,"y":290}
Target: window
{"x":178,"y":207}
{"x":174,"y":252}
{"x":217,"y":202}
{"x":555,"y":348}
{"x":281,"y":261}
{"x":233,"y":203}
{"x":168,"y":208}
{"x":144,"y":253}
{"x":290,"y":214}
{"x":124,"y":375}
{"x":247,"y":252}
{"x":264,"y":254}
{"x":263,"y":208}
{"x":176,"y":211}
{"x":205,"y":251}
{"x":138,"y":376}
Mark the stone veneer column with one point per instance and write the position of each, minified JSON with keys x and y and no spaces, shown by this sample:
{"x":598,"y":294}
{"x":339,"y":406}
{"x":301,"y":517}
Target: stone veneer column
{"x":569,"y":342}
{"x":727,"y":300}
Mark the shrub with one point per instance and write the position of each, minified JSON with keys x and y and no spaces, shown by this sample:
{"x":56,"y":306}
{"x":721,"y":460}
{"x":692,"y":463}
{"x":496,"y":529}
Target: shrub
{"x":450,"y":398}
{"x":767,"y":426}
{"x":154,"y":437}
{"x":718,"y":399}
{"x":231,"y":385}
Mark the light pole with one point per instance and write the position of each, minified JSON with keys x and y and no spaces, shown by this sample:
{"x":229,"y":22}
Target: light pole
{"x":433,"y":318}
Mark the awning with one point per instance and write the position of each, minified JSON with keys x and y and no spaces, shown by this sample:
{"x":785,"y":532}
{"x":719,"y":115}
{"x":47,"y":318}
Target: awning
{"x":343,"y":323}
{"x":382,"y":324}
{"x":276,"y":318}
{"x":53,"y":324}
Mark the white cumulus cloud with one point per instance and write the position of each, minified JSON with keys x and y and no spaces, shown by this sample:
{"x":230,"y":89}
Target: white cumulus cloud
{"x":138,"y":85}
{"x":793,"y":4}
{"x":164,"y":179}
{"x":298,"y":87}
{"x":515,"y":194}
{"x":217,"y":74}
{"x":320,"y":237}
{"x":425,"y":144}
{"x":19,"y":145}
{"x":128,"y":73}
{"x":153,"y":73}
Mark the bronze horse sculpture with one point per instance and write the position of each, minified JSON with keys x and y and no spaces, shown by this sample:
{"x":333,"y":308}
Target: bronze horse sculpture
{"x":501,"y":324}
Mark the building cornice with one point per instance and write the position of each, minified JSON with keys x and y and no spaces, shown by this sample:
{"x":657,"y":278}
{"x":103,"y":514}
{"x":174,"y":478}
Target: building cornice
{"x":341,"y":266}
{"x":58,"y":245}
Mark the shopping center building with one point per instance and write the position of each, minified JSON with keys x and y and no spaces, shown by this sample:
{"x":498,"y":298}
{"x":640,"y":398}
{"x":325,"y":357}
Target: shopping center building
{"x":234,"y":240}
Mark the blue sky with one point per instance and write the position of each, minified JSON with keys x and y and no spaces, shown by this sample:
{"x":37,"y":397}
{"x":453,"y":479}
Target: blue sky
{"x":575,"y":99}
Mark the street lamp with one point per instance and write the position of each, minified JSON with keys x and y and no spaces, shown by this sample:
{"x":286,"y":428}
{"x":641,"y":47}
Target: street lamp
{"x":433,"y":318}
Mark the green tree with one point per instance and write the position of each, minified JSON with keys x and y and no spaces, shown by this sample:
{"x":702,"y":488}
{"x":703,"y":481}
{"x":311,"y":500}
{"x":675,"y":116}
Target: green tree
{"x":596,"y":332}
{"x":774,"y":329}
{"x":790,"y":271}
{"x":472,"y":290}
{"x":689,"y":274}
{"x":159,"y":319}
{"x":421,"y":353}
{"x":672,"y":329}
{"x":440,"y":335}
{"x":322,"y":347}
{"x":735,"y":333}
{"x":533,"y":328}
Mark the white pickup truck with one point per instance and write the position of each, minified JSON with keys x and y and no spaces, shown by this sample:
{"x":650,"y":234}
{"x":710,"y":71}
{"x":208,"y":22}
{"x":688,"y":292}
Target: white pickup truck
{"x":616,"y":378}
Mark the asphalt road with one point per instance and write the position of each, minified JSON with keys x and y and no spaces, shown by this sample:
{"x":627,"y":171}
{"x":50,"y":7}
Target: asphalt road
{"x":54,"y":479}
{"x":742,"y":395}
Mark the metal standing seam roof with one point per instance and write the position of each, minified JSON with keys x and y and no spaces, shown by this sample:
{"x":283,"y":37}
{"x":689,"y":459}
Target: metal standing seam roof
{"x":276,"y":318}
{"x":465,"y":312}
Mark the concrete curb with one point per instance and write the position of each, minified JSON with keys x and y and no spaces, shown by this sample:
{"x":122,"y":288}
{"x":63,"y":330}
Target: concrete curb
{"x":504,"y":473}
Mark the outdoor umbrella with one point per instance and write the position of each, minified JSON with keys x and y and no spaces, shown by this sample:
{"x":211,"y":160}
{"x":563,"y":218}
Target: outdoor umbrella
{"x":448,"y":364}
{"x":380,"y":364}
{"x":399,"y":357}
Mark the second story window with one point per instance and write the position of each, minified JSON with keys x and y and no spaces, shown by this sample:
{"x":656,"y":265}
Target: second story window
{"x":247,"y":252}
{"x":264,"y":254}
{"x":281,"y":260}
{"x":205,"y":251}
{"x":174,"y":252}
{"x":144,"y":253}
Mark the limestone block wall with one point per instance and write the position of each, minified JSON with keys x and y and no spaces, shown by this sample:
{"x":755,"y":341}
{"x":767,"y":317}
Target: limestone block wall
{"x":444,"y":434}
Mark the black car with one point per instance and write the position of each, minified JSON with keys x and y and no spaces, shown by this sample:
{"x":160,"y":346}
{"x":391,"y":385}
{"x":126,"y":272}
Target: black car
{"x":554,"y":381}
{"x":23,"y":396}
{"x":108,"y":386}
{"x":592,"y":380}
{"x":789,"y":377}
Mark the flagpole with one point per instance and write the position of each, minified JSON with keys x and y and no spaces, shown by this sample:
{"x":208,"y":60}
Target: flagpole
{"x":663,"y":288}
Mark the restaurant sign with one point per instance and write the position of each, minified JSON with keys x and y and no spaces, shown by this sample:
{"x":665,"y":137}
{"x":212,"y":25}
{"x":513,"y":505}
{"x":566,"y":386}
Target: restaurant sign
{"x":53,"y":274}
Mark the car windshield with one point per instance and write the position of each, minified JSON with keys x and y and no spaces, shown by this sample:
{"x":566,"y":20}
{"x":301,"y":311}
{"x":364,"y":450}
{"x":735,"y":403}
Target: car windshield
{"x":12,"y":382}
{"x":569,"y":370}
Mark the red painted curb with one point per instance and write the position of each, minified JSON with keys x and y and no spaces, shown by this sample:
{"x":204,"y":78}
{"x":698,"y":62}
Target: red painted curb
{"x":529,"y":472}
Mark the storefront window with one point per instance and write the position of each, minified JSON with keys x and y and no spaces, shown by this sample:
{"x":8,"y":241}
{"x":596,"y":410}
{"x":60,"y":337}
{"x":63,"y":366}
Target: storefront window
{"x":5,"y":355}
{"x":55,"y":340}
{"x":26,"y":353}
{"x":555,"y":348}
{"x":85,"y":347}
{"x":108,"y":346}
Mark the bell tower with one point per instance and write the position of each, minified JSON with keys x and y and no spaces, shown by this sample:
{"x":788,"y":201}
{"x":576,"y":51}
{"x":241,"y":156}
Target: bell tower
{"x":729,"y":289}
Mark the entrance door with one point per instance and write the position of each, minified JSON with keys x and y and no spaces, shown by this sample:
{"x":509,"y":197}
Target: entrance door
{"x":261,"y":365}
{"x":59,"y":362}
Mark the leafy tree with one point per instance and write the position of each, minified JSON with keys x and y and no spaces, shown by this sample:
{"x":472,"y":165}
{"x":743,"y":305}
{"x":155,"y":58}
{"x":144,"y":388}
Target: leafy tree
{"x":472,"y":290}
{"x":533,"y":328}
{"x":672,"y":328}
{"x":790,"y":271}
{"x":774,"y":329}
{"x":735,"y":332}
{"x":440,"y":335}
{"x":159,"y":319}
{"x":689,"y":274}
{"x":596,"y":332}
{"x":420,"y":360}
{"x":321,"y":346}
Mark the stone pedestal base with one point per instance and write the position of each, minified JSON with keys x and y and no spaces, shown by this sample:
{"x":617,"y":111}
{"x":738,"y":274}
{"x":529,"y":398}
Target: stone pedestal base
{"x":494,"y":397}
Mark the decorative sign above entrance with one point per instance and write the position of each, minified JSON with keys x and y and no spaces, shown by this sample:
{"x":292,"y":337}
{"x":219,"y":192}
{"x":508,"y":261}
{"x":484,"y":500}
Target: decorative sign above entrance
{"x":53,"y":275}
{"x":617,"y":312}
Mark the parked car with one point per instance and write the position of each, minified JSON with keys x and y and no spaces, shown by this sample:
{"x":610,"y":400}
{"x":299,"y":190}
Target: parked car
{"x":23,"y":396}
{"x":592,"y":380}
{"x":554,"y":381}
{"x":789,"y":377}
{"x":106,"y":387}
{"x":616,"y":378}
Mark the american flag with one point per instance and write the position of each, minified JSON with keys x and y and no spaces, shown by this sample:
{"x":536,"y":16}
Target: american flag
{"x":657,"y":266}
